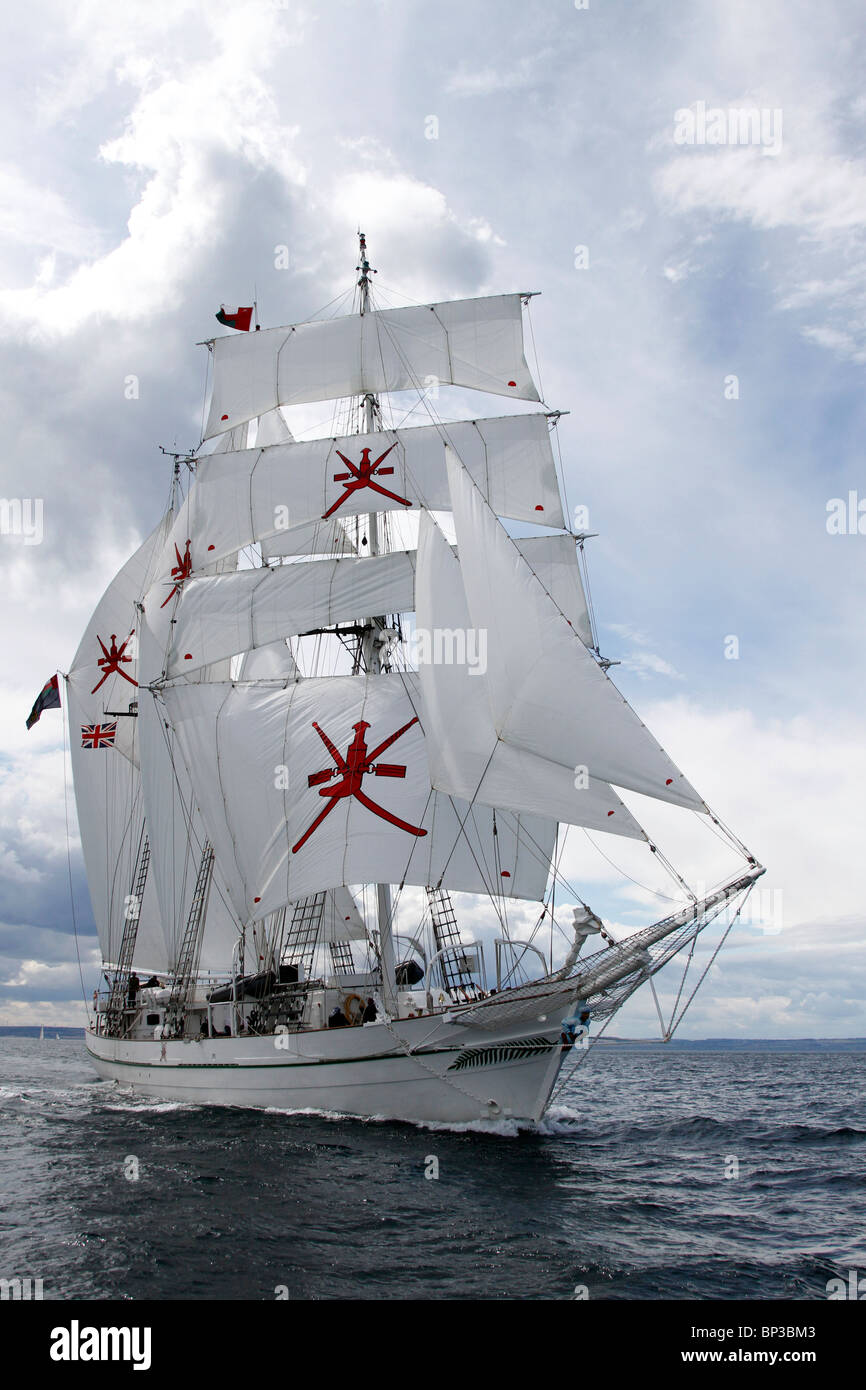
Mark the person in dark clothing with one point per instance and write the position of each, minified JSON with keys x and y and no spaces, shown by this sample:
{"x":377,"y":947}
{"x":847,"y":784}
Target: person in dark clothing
{"x":369,"y":1014}
{"x":337,"y":1019}
{"x":152,"y":983}
{"x":132,"y":989}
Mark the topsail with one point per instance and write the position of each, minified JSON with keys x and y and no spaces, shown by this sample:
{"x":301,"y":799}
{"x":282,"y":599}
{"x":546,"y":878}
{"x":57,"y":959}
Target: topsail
{"x":463,"y":342}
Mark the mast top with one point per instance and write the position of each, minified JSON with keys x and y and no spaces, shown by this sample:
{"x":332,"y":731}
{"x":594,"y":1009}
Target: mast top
{"x":366,"y":271}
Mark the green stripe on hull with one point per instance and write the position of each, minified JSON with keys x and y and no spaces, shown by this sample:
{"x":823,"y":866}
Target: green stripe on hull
{"x":276,"y":1066}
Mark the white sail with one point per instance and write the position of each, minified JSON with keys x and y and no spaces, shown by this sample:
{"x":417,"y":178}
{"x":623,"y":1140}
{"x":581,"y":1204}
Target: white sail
{"x":105,"y":677}
{"x":110,"y":816}
{"x":221,"y":516}
{"x":466,"y":756}
{"x":272,"y":429}
{"x":177,"y":833}
{"x":151,"y":950}
{"x":252,"y":753}
{"x":554,"y":560}
{"x":261,"y":491}
{"x":271,"y":662}
{"x":104,"y":746}
{"x":232,"y":440}
{"x":278,"y":496}
{"x":547,"y":695}
{"x":233,"y":613}
{"x":476,"y":343}
{"x":341,"y":919}
{"x":329,"y":537}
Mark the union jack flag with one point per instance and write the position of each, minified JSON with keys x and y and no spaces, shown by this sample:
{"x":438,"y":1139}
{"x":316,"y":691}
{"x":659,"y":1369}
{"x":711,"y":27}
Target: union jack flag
{"x":98,"y":735}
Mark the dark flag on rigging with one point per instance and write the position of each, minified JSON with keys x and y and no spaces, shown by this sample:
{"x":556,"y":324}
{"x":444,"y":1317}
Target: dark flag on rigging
{"x":48,"y":698}
{"x":236,"y":318}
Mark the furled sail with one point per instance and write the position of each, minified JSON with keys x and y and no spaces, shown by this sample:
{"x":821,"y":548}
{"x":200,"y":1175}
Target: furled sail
{"x":476,"y":343}
{"x":466,"y":756}
{"x":547,"y":695}
{"x":296,"y":797}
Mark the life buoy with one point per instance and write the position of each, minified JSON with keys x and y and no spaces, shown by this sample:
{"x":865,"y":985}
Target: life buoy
{"x":353,"y":1017}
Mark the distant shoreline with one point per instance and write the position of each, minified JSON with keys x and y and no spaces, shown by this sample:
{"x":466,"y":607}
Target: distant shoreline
{"x":614,"y":1044}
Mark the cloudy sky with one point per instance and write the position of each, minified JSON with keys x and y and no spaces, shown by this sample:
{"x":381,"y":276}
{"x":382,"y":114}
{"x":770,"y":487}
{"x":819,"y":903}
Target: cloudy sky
{"x":702,"y":317}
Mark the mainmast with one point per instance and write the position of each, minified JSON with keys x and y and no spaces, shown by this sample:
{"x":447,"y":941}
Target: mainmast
{"x":374,"y":665}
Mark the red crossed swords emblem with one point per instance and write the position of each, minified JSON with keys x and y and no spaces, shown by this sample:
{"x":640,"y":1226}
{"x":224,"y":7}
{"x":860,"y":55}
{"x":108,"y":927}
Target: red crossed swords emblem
{"x":111,"y":660}
{"x":360,"y":476}
{"x":351,"y":769}
{"x":179,"y":572}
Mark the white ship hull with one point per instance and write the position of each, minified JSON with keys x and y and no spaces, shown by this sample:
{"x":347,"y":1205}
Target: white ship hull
{"x":441,"y":1069}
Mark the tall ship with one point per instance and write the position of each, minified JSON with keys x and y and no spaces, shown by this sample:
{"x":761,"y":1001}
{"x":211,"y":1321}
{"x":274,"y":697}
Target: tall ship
{"x":329,"y":728}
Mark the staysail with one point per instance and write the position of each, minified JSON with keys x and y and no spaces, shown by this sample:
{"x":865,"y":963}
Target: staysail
{"x":547,"y":694}
{"x":466,"y":756}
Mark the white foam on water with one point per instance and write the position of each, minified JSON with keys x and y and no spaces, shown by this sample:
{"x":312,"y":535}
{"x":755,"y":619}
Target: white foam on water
{"x":67,"y":1094}
{"x":560,"y":1119}
{"x":504,"y":1129}
{"x":311,"y":1110}
{"x":156,"y":1107}
{"x":500,"y":1129}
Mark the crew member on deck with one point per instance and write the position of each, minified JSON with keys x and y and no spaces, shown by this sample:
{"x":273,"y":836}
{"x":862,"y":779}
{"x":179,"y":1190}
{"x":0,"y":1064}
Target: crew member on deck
{"x":369,"y":1014}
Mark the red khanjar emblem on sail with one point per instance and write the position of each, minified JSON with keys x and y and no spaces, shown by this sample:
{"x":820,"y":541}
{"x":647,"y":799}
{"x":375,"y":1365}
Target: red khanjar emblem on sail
{"x":111,"y":660}
{"x":179,"y":572}
{"x":357,"y":763}
{"x":360,"y":476}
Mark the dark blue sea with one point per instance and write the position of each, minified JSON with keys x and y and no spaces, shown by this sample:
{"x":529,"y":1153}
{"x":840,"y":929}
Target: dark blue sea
{"x":622,"y":1193}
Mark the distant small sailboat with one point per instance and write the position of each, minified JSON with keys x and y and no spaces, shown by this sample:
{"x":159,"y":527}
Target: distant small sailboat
{"x":41,"y":1033}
